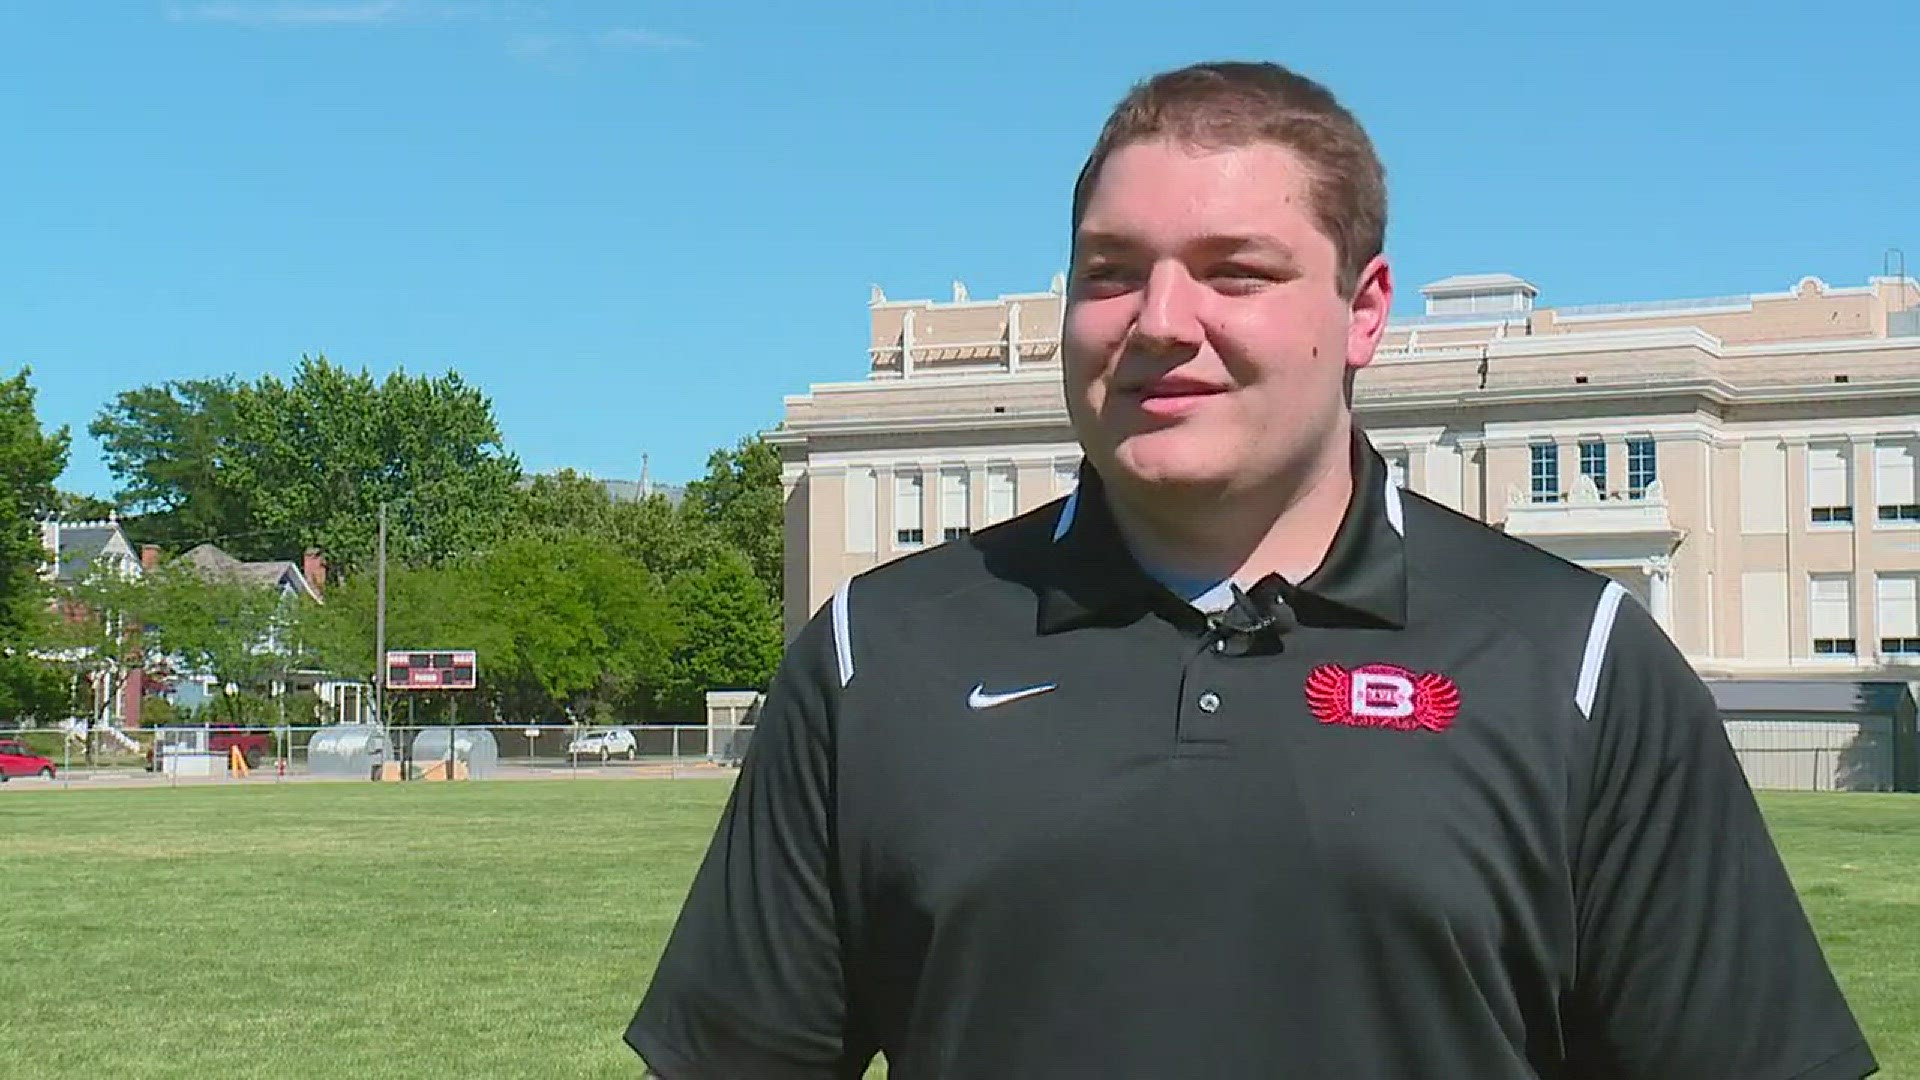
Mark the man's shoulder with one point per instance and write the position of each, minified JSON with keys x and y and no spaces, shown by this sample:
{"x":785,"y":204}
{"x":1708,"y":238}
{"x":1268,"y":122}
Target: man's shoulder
{"x":961,"y":594}
{"x":1013,"y":553}
{"x":1455,"y":555}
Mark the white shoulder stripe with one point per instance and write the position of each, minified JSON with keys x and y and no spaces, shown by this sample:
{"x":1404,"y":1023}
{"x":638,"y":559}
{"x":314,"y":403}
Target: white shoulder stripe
{"x":1395,"y":515}
{"x":1066,"y":515}
{"x":1604,"y":613}
{"x":842,"y":633}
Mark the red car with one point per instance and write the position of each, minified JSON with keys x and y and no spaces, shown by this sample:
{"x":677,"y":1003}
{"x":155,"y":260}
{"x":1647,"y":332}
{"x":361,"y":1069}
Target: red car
{"x":17,"y":760}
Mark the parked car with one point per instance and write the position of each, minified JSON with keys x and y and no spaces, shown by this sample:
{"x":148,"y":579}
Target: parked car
{"x":255,"y":746}
{"x":17,"y":760}
{"x":604,"y":742}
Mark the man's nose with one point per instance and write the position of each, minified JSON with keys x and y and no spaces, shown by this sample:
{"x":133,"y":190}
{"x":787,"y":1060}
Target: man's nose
{"x":1169,"y":320}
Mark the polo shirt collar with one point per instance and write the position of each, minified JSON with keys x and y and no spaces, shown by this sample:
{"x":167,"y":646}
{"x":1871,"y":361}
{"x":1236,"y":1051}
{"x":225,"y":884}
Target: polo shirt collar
{"x":1093,"y":579}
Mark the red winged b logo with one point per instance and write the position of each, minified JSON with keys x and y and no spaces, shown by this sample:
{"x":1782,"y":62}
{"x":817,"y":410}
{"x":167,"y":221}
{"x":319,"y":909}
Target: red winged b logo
{"x":1382,"y":695}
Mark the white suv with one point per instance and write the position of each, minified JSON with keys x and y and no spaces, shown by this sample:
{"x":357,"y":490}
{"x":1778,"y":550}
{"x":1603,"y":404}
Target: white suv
{"x":604,"y":742}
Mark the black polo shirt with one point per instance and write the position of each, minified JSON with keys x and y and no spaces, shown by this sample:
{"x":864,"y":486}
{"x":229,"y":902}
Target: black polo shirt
{"x":1013,"y":810}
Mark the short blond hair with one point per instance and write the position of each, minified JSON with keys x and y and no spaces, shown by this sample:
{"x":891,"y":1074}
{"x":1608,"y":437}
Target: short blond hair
{"x":1228,"y":105}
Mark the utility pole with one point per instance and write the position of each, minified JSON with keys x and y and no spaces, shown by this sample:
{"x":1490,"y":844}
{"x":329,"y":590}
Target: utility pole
{"x":380,"y":633}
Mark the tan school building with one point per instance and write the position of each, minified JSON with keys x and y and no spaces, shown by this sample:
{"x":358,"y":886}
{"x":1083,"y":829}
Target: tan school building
{"x":1744,"y":464}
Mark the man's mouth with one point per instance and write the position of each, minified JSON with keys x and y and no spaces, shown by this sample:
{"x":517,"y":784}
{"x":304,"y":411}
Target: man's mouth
{"x":1173,"y":395}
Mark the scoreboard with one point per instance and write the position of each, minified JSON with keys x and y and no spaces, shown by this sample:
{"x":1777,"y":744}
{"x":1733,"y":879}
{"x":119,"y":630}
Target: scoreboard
{"x":432,"y":669}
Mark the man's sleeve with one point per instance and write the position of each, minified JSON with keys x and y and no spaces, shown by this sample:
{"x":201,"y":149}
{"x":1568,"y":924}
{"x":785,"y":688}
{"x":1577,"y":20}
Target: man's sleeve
{"x":751,"y":983}
{"x":1695,"y":958}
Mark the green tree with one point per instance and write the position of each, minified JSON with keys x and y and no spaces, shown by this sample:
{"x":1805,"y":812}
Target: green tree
{"x":168,"y":447}
{"x":31,"y":687}
{"x":566,"y":503}
{"x":271,"y":467}
{"x":588,"y":624}
{"x":428,"y":607}
{"x":730,"y":635}
{"x":96,"y":632}
{"x":239,"y":632}
{"x":30,"y":460}
{"x":236,"y":631}
{"x":329,"y":446}
{"x":742,"y":499}
{"x":668,"y":541}
{"x":558,"y":623}
{"x":74,"y":506}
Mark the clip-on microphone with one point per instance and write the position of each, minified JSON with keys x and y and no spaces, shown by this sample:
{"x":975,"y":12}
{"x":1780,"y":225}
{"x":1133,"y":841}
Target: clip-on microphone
{"x":1256,"y":619}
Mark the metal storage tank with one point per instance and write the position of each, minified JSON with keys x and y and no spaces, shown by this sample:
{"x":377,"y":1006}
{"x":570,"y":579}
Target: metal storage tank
{"x":472,"y":746}
{"x":349,"y":750}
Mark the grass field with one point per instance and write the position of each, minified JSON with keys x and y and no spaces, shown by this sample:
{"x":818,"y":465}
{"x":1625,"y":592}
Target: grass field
{"x":508,"y":929}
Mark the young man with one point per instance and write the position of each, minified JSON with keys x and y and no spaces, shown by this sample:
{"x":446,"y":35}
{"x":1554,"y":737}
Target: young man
{"x":1239,"y":762}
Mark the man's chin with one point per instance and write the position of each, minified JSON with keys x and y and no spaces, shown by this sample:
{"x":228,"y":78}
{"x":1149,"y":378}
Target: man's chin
{"x":1171,"y":467}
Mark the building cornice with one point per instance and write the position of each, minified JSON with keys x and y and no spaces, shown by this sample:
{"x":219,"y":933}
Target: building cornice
{"x":1373,"y":410}
{"x":895,"y":425}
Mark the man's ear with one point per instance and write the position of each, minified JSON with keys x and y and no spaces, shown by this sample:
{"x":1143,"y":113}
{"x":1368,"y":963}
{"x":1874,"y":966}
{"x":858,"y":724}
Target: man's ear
{"x":1372,"y":304}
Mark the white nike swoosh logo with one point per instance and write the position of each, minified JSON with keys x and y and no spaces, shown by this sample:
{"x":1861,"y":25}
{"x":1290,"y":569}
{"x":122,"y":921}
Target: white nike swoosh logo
{"x":980,"y":699}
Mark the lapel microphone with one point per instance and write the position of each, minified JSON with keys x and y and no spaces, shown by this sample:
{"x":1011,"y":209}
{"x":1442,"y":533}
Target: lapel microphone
{"x":1255,"y":619}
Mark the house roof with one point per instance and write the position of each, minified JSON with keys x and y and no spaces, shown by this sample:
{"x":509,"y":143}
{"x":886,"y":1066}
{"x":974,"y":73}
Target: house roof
{"x":73,"y":547}
{"x":1840,"y":696}
{"x":212,"y":562}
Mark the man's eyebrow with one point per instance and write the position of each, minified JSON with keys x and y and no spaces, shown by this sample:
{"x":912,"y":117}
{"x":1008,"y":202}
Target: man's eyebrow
{"x":1105,"y":241}
{"x":1237,"y":243}
{"x":1216,"y":244}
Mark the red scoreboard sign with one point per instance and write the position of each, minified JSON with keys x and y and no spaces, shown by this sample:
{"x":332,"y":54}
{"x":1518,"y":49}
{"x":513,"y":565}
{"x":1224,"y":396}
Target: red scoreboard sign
{"x":429,"y":669}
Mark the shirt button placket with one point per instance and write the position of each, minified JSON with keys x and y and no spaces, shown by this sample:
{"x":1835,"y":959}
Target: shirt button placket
{"x":1203,"y":699}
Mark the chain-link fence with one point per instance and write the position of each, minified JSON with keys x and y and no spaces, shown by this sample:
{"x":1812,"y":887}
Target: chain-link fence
{"x":178,"y":754}
{"x":1862,"y":753}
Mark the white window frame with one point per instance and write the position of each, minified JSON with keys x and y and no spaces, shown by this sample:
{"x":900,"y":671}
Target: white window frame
{"x":1822,"y":511}
{"x":956,"y":513}
{"x":1651,"y":457}
{"x":909,"y":494}
{"x":1837,"y":590}
{"x":1544,"y":454}
{"x":1898,"y":630}
{"x":1896,"y":497}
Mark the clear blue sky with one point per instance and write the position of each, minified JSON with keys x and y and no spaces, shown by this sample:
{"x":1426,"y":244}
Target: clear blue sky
{"x":638,"y":225}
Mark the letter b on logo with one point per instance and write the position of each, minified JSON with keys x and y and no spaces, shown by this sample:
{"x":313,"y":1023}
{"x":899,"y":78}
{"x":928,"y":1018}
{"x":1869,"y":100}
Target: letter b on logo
{"x":1382,"y":695}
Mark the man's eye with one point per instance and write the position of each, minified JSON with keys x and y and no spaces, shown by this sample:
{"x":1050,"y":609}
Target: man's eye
{"x":1103,"y":279}
{"x":1242,"y":273}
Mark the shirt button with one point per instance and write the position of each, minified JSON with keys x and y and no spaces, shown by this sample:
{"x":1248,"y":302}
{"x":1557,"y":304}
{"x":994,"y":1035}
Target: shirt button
{"x":1209,"y":702}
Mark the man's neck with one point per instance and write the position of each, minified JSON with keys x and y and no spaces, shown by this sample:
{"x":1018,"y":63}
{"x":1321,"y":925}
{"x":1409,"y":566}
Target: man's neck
{"x":1285,"y":528}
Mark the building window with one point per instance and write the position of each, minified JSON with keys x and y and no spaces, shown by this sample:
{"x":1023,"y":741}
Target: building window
{"x":1593,"y":464}
{"x":1828,"y":492}
{"x":1893,"y":487}
{"x":1002,"y":492}
{"x":1545,"y":472}
{"x":863,"y":501}
{"x":909,"y":511}
{"x":1830,"y":614}
{"x":1897,"y":603}
{"x":1641,"y":468}
{"x":955,"y":514}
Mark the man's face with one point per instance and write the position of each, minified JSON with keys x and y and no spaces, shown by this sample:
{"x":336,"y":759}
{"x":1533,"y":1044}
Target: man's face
{"x":1206,"y":341}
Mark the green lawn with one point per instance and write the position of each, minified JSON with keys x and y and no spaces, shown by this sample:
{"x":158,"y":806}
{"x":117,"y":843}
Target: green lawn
{"x":507,"y":929}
